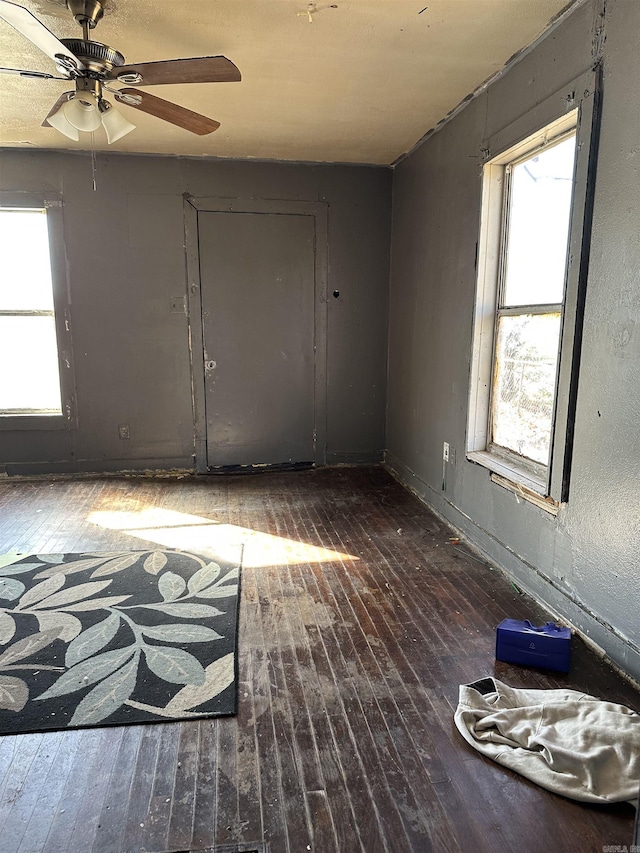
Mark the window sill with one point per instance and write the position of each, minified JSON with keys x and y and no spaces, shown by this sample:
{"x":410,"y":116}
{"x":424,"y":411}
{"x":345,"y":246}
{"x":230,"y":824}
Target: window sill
{"x":508,"y":470}
{"x":16,"y":423}
{"x":518,"y":480}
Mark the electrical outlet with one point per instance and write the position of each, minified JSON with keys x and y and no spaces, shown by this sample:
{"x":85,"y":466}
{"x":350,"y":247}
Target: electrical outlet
{"x":445,"y":451}
{"x":124,"y":431}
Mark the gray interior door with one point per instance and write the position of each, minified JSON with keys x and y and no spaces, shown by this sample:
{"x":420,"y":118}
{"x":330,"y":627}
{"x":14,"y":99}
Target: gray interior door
{"x":257,"y":282}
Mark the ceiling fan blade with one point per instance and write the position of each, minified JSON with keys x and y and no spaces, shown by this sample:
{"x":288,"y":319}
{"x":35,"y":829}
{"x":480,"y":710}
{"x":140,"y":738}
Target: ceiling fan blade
{"x":158,"y":107}
{"x":54,"y":109}
{"x":24,"y":22}
{"x":201,"y":69}
{"x":38,"y":74}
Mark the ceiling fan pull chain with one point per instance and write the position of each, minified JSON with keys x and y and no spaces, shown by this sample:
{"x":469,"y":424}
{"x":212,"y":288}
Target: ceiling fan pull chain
{"x":93,"y":163}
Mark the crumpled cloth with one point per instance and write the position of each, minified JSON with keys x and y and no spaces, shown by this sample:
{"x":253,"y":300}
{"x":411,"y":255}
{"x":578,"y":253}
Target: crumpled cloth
{"x":568,"y":742}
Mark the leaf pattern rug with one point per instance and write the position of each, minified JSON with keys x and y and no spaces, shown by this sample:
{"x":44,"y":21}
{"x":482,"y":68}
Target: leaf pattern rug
{"x":114,"y":638}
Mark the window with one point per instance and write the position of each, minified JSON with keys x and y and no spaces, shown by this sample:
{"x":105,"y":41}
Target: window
{"x":538,"y":189}
{"x":532,"y":262}
{"x":35,"y":382}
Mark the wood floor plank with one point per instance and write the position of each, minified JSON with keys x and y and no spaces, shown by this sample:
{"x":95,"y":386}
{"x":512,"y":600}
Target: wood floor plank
{"x":286,"y":798}
{"x":329,"y":608}
{"x":249,"y":776}
{"x":135,"y":824}
{"x":102,"y":769}
{"x":204,"y":813}
{"x":250,"y":819}
{"x":406,"y":745}
{"x":112,"y":808}
{"x":323,"y":828}
{"x":27,"y":748}
{"x":184,"y":790}
{"x":402,"y":775}
{"x":297,"y":754}
{"x":159,"y":813}
{"x":229,"y":823}
{"x":268,"y":810}
{"x":39,"y":824}
{"x":339,"y":769}
{"x":92,"y":746}
{"x":371,"y":798}
{"x":283,"y":596}
{"x":27,"y":797}
{"x":321,"y":765}
{"x":248,"y":799}
{"x":8,"y":746}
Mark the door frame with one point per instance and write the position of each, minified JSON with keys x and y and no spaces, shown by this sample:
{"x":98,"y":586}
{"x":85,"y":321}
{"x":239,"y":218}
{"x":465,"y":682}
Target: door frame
{"x":318,"y":210}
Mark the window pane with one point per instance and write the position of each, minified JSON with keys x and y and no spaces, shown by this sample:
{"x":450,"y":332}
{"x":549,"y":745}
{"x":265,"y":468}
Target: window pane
{"x":524,"y":384}
{"x":538,"y":226}
{"x":29,"y":357}
{"x":25,"y":266}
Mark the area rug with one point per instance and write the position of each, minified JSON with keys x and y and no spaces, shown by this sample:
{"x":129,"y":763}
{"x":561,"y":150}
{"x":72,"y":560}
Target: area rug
{"x":113,"y":638}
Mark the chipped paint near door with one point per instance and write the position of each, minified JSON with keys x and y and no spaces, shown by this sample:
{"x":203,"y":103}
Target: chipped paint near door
{"x":257,"y":280}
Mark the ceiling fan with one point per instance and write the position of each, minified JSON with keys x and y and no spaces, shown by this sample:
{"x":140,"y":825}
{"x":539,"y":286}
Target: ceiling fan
{"x":96,"y":67}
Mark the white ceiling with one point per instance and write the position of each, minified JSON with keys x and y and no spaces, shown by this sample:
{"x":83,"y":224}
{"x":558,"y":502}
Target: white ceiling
{"x":356,"y":81}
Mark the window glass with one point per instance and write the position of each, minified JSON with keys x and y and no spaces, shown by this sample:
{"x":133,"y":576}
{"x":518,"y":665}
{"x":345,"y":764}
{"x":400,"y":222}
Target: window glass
{"x":538,"y":226}
{"x":25,"y":267}
{"x":524,"y":383}
{"x":30,"y":378}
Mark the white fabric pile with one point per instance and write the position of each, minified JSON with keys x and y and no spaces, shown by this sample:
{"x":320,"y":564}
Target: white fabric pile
{"x":566,"y":741}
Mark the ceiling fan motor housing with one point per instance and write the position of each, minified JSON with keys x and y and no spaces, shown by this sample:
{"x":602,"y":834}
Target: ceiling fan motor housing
{"x":97,"y":58}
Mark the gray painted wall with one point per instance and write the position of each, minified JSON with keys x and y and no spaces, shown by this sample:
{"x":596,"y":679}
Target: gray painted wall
{"x":126,"y":260}
{"x":585,"y":562}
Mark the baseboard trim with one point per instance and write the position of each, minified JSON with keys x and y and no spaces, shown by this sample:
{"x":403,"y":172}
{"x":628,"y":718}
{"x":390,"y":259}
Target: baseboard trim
{"x":95,"y":467}
{"x":159,"y":467}
{"x":357,"y":457}
{"x":619,"y":651}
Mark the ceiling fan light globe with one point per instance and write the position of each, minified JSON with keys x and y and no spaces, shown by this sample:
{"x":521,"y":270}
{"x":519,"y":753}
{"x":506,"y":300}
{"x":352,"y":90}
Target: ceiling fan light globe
{"x":115,"y":125}
{"x":82,"y":112}
{"x":63,"y":125}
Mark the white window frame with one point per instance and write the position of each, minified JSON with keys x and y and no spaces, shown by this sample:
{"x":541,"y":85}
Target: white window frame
{"x":67,"y":419}
{"x":574,"y":107}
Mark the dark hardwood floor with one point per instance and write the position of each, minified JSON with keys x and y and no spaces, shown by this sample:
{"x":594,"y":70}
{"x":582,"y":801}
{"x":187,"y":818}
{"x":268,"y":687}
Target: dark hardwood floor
{"x":359,"y":619}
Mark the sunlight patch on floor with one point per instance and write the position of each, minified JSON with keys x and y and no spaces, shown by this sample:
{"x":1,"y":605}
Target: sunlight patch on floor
{"x":214,"y":539}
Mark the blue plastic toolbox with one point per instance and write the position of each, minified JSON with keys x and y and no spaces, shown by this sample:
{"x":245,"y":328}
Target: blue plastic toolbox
{"x":547,"y":646}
